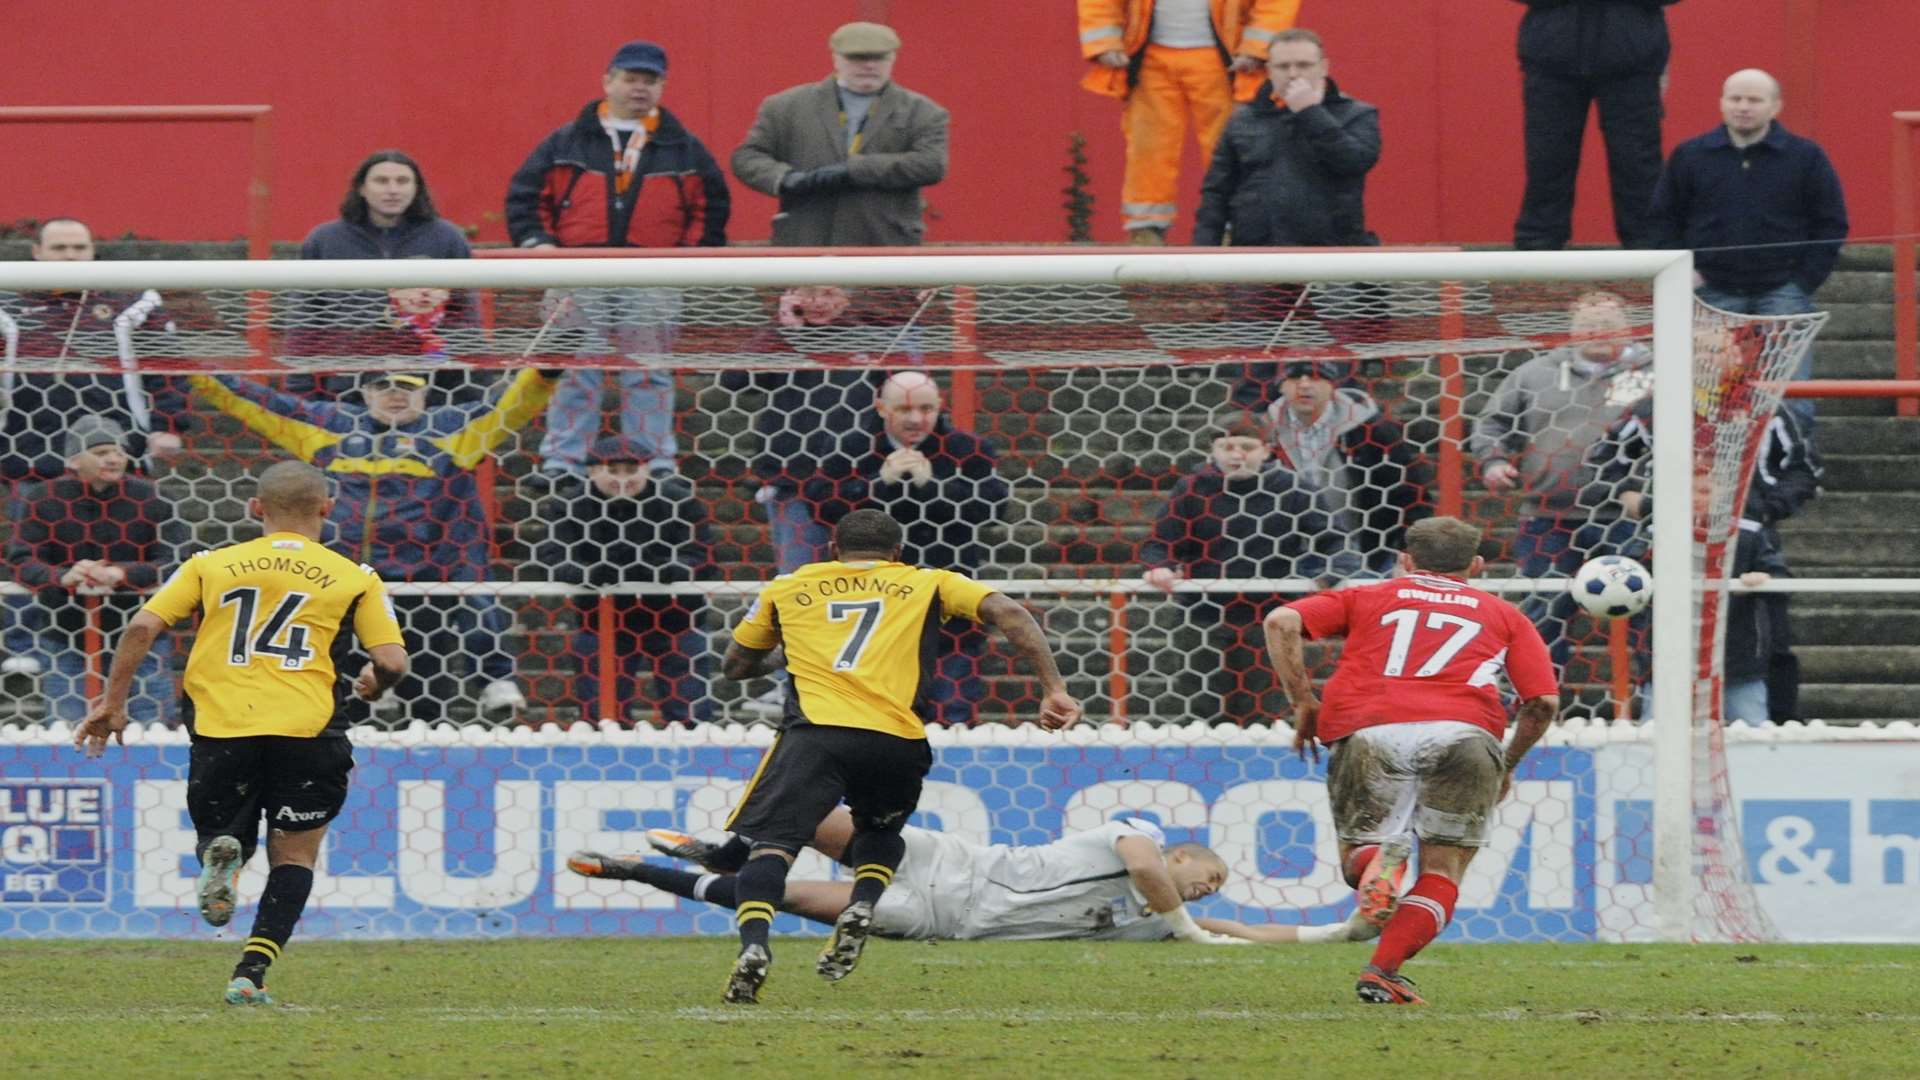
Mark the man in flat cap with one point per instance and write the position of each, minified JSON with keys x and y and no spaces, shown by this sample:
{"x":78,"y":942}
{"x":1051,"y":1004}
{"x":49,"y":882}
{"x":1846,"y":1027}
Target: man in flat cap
{"x":847,"y":156}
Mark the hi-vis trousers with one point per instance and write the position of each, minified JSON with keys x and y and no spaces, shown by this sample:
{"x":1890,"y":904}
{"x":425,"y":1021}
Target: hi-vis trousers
{"x":1173,"y":83}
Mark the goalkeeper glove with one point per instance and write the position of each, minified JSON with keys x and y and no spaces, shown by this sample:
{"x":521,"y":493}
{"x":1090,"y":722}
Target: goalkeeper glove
{"x":1186,"y":929}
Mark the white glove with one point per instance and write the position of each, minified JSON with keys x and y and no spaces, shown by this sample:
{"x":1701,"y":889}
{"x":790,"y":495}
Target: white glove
{"x":1186,"y":929}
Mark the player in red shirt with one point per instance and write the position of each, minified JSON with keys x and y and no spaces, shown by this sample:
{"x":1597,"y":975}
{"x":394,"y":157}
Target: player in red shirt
{"x":1414,"y":717}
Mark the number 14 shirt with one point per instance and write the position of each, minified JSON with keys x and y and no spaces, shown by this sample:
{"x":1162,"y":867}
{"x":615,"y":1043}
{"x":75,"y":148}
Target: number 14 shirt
{"x":861,"y":639}
{"x":1423,"y":647}
{"x":272,"y":637}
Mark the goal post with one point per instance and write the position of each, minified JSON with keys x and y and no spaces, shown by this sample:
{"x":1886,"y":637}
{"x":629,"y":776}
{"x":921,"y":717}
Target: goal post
{"x":1030,"y":326}
{"x":1674,"y":863}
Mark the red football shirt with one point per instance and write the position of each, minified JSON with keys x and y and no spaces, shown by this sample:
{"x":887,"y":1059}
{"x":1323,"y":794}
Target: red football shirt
{"x":1423,"y":647}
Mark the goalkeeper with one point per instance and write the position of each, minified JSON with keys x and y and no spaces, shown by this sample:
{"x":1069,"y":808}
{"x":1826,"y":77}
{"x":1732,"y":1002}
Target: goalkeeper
{"x":1118,"y":882}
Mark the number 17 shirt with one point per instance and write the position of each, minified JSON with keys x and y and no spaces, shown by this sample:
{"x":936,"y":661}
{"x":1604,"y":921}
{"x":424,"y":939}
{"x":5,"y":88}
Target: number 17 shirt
{"x":1423,"y":647}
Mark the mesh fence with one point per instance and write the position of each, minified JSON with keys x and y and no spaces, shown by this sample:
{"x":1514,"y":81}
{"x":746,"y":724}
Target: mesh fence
{"x":574,"y":493}
{"x":574,"y":490}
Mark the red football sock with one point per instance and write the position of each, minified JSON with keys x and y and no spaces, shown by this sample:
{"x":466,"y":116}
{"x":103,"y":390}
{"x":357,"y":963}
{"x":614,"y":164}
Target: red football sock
{"x":1357,"y":862}
{"x":1424,"y":912}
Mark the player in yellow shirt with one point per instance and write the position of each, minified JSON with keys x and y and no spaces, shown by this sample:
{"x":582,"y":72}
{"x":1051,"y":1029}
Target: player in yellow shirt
{"x":860,"y":634}
{"x":279,"y":616}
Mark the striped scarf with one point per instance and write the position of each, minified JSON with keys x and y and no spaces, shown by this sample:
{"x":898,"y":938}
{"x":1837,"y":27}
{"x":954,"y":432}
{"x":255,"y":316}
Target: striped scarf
{"x":626,"y":161}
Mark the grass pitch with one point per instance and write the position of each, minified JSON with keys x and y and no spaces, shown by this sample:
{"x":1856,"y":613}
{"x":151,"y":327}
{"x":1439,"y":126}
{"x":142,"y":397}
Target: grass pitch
{"x":606,"y":1007}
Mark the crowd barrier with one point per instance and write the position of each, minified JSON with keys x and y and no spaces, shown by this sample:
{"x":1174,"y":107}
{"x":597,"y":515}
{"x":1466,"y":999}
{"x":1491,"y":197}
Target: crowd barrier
{"x":461,"y":833}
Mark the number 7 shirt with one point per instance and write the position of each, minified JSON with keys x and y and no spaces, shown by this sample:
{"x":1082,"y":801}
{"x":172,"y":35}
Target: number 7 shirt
{"x":862,"y":639}
{"x":1423,"y":647}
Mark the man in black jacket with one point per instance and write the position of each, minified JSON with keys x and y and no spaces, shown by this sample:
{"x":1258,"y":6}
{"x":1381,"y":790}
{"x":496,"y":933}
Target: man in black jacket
{"x":1291,"y":168}
{"x":940,"y":483}
{"x":88,"y":543}
{"x":1761,"y":671}
{"x":1786,"y":477}
{"x":630,"y":528}
{"x":1574,"y":54}
{"x":1240,"y":515}
{"x":111,"y":329}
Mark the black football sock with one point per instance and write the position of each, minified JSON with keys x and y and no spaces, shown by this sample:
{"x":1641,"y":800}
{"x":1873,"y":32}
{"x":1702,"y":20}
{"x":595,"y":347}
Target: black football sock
{"x":280,"y":907}
{"x":712,"y":888}
{"x":875,"y":856}
{"x":729,"y":857}
{"x":758,"y":890}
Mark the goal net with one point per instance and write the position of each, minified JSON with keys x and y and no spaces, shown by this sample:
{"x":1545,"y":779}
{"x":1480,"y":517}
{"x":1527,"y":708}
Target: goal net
{"x":574,"y":474}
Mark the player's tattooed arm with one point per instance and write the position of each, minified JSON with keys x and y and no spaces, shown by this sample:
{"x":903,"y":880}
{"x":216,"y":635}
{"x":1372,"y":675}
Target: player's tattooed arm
{"x":744,"y":663}
{"x":1531,"y":723}
{"x":1058,"y":708}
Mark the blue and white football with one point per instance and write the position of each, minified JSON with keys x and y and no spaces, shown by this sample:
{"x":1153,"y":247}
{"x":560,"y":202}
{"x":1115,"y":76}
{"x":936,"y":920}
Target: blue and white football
{"x":1613,"y":587}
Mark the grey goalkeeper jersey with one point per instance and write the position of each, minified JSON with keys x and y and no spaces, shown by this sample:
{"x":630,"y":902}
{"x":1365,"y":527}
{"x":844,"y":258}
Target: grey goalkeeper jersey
{"x":1075,"y":887}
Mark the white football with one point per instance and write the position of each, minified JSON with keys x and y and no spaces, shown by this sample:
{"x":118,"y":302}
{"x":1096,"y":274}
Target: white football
{"x":1612,"y":586}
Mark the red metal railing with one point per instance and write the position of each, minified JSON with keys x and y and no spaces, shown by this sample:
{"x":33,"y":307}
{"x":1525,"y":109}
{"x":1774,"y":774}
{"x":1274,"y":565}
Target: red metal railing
{"x":259,"y":118}
{"x":1906,"y":313}
{"x":260,"y":174}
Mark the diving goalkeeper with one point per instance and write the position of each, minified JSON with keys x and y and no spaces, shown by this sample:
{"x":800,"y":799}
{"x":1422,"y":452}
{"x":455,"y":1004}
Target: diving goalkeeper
{"x":1120,"y":881}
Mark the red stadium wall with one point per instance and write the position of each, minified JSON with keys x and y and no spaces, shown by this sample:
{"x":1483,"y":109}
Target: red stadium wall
{"x":468,"y":88}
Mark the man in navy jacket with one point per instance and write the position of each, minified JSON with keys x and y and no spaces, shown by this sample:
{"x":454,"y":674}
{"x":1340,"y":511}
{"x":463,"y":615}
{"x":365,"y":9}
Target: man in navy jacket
{"x":939,"y":482}
{"x":1760,"y":205}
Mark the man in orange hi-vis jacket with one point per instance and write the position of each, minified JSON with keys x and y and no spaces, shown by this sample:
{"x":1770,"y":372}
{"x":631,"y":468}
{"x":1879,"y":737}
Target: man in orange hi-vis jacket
{"x":1167,"y":59}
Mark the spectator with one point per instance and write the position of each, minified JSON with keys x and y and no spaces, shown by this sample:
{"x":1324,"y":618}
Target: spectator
{"x":38,"y":409}
{"x":106,"y":533}
{"x":822,"y":322}
{"x":624,"y":173}
{"x":1342,"y":446}
{"x":407,"y":503}
{"x":1242,"y":514}
{"x":1760,"y":206}
{"x":1168,"y":60}
{"x":1532,"y":438}
{"x":937,"y":481}
{"x":1573,"y":56}
{"x":387,"y":213}
{"x":1291,"y":168}
{"x":847,"y":156}
{"x":1786,"y":476}
{"x":631,"y":528}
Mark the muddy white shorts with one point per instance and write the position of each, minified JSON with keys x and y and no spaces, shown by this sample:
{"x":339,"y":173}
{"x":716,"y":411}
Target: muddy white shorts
{"x":1437,"y":779}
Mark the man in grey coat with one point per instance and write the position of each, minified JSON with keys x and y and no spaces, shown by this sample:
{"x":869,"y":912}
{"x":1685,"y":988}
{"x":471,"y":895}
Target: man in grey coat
{"x":847,"y":156}
{"x":1532,"y":440}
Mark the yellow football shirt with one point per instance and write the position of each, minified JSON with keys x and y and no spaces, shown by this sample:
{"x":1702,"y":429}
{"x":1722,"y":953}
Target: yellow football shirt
{"x":270,"y":641}
{"x":860,"y":638}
